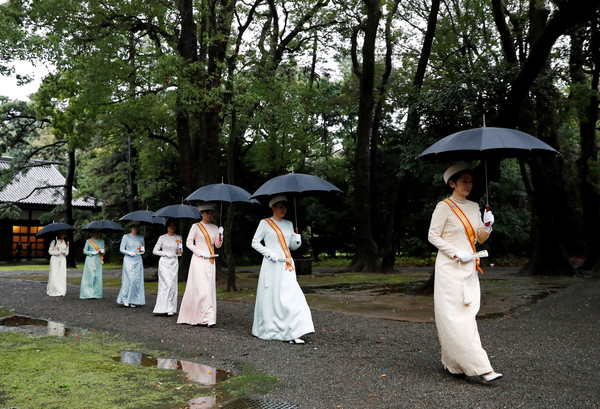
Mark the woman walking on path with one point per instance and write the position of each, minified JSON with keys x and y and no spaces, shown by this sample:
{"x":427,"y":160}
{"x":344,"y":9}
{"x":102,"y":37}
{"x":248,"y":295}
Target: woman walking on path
{"x":132,"y":279}
{"x":168,"y":247}
{"x":199,"y":303}
{"x":456,"y":226}
{"x":281,"y":311}
{"x":57,"y":277}
{"x":91,"y":278}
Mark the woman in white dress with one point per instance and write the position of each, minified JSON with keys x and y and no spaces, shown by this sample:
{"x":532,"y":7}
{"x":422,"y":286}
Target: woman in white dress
{"x":169,"y":247}
{"x":281,"y":311}
{"x":456,"y":226}
{"x":57,"y":278}
{"x":199,"y":303}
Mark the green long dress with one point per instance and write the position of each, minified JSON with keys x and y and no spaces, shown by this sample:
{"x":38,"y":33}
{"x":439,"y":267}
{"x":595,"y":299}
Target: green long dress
{"x":91,"y":279}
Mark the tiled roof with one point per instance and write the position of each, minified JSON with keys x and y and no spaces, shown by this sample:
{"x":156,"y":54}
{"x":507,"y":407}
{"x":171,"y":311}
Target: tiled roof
{"x":22,"y":190}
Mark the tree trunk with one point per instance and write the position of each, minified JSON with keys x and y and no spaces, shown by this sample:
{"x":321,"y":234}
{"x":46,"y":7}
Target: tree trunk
{"x":69,"y":178}
{"x":411,"y":129}
{"x":586,"y":104}
{"x":366,"y":256}
{"x":549,"y":256}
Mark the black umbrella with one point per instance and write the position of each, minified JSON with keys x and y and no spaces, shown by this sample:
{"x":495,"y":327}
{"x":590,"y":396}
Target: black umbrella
{"x":294,"y":183}
{"x":143,"y":217}
{"x":105,"y":226}
{"x":221,"y":192}
{"x":53,"y":228}
{"x":178,"y":211}
{"x":487,"y":143}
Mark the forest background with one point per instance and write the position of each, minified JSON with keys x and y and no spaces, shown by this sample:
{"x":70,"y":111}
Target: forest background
{"x":149,"y":100}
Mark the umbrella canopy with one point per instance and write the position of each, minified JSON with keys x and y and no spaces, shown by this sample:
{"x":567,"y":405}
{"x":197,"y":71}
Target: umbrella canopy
{"x":487,"y":143}
{"x":53,"y":228}
{"x":221,"y":192}
{"x":105,"y":226}
{"x":143,"y":217}
{"x":294,"y":183}
{"x":178,"y":211}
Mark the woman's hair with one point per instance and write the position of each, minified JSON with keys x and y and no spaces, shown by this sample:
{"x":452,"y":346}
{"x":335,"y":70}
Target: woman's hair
{"x":169,"y":221}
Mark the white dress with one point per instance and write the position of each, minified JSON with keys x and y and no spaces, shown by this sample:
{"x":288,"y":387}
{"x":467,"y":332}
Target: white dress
{"x":462,"y":352}
{"x":57,"y":278}
{"x":281,"y":311}
{"x":166,"y":299}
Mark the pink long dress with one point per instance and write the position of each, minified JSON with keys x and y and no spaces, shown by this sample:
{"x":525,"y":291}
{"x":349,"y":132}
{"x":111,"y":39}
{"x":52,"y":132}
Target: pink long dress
{"x":199,"y":303}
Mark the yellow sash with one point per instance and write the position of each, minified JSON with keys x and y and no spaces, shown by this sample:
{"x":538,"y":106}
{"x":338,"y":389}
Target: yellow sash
{"x":93,"y":243}
{"x":208,"y":242}
{"x":468,"y":228}
{"x":286,"y":251}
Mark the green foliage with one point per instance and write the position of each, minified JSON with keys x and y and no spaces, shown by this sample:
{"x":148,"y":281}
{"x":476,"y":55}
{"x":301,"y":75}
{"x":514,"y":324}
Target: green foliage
{"x":249,"y":382}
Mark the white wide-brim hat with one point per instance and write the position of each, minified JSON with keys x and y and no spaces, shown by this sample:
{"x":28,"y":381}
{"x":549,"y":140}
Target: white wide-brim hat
{"x":454,"y":169}
{"x":277,"y":199}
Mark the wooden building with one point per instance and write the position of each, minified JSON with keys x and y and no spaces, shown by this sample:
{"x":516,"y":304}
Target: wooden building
{"x":35,"y":192}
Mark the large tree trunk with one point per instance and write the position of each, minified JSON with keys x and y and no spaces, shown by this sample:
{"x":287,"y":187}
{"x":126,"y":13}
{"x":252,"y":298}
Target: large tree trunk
{"x":586,"y":103}
{"x":411,"y":129}
{"x":366,"y":256}
{"x":549,"y":256}
{"x":69,"y":178}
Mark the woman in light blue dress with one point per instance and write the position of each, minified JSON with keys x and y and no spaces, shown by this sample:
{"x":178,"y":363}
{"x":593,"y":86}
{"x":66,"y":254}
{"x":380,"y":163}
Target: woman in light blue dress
{"x":132,"y":279}
{"x":281,"y":311}
{"x":91,"y":279}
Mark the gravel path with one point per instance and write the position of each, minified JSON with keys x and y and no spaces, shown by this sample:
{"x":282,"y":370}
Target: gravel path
{"x":548,"y":352}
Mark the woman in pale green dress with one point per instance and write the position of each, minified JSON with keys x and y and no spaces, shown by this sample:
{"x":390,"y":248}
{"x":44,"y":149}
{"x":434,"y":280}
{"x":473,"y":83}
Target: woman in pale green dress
{"x":91,"y":279}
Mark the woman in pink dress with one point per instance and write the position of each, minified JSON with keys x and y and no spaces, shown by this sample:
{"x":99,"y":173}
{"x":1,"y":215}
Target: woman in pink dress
{"x":199,"y":303}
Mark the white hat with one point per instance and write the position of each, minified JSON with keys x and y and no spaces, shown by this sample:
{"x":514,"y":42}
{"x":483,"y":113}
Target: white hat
{"x":277,"y":199}
{"x":454,"y":169}
{"x":206,"y":206}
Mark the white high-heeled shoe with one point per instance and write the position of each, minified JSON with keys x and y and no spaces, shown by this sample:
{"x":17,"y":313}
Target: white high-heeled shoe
{"x":492,"y":376}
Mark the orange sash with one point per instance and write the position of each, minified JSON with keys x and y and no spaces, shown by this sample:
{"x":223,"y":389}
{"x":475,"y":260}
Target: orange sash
{"x":208,"y":242}
{"x":93,"y":243}
{"x":286,"y":251}
{"x":468,"y":228}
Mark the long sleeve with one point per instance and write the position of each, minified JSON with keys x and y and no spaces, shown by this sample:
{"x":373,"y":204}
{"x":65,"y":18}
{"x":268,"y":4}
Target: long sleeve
{"x":53,"y":250}
{"x":439,"y":219}
{"x":190,"y":242}
{"x":158,"y":247}
{"x":259,"y":235}
{"x":67,"y":248}
{"x":123,"y":247}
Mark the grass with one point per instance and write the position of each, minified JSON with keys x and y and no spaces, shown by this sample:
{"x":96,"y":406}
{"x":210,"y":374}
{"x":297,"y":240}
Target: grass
{"x":80,"y":372}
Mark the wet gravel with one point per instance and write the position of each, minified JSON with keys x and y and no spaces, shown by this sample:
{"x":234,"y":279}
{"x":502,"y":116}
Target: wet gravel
{"x":548,"y":352}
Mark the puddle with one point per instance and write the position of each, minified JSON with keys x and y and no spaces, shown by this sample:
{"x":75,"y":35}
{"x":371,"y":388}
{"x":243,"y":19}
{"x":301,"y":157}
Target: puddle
{"x":37,"y":326}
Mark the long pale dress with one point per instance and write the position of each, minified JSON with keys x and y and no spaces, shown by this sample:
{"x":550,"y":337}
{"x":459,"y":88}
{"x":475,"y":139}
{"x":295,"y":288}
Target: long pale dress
{"x":462,"y":352}
{"x":57,"y":277}
{"x":91,"y":278}
{"x":166,"y":299}
{"x":281,"y":311}
{"x":132,"y":279}
{"x":199,"y":303}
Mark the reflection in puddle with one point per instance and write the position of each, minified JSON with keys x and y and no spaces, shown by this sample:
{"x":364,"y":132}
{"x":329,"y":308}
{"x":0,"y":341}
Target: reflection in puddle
{"x":37,"y":326}
{"x":199,"y":373}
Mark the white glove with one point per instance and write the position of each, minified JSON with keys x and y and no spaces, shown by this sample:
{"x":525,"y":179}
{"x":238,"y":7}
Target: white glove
{"x":101,"y":251}
{"x":169,"y":255}
{"x":298,"y":238}
{"x":463,"y":256}
{"x":205,"y":255}
{"x":95,"y":252}
{"x":488,"y":219}
{"x":272,"y":256}
{"x":132,"y":253}
{"x":221,"y":231}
